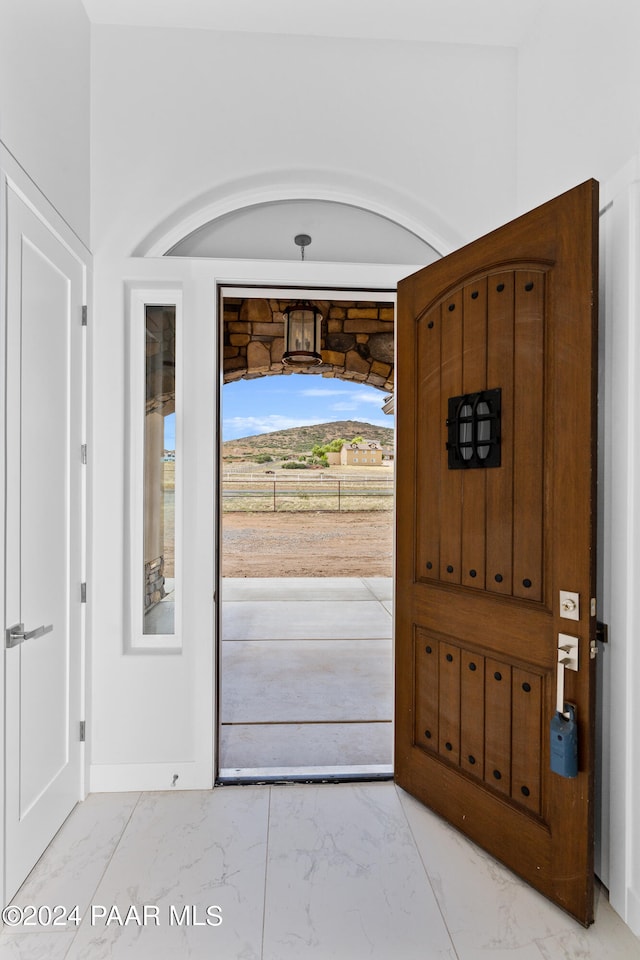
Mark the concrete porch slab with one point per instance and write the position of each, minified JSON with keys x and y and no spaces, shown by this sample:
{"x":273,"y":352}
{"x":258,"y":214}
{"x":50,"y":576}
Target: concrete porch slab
{"x":305,"y":620}
{"x":304,"y":745}
{"x":381,"y":587}
{"x":297,"y":588}
{"x":306,"y":674}
{"x":322,"y":680}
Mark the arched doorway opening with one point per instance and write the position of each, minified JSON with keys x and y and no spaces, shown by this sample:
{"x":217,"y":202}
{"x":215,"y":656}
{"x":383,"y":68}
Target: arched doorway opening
{"x":332,"y":276}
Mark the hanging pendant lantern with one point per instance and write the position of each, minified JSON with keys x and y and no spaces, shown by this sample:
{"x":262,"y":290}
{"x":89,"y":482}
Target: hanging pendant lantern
{"x":302,"y":335}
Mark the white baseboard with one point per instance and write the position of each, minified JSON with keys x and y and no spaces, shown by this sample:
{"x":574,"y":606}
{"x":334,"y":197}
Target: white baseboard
{"x":633,"y":911}
{"x":123,"y":777}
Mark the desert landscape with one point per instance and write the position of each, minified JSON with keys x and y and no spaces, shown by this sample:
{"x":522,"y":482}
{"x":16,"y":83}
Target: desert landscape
{"x":315,"y":521}
{"x":307,"y":545}
{"x":311,"y":532}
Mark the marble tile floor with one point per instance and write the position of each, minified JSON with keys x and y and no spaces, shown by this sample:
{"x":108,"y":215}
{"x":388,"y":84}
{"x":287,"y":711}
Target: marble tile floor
{"x":289,"y":872}
{"x":306,"y":676}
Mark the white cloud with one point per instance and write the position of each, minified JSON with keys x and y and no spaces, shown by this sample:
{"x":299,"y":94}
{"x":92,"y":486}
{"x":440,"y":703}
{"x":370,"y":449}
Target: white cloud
{"x":357,"y":400}
{"x":376,"y":398}
{"x":327,"y":392}
{"x":362,"y":396}
{"x":236,"y":427}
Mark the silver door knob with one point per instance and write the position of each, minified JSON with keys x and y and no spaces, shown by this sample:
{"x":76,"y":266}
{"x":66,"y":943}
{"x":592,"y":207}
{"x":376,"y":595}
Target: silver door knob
{"x":17,"y":634}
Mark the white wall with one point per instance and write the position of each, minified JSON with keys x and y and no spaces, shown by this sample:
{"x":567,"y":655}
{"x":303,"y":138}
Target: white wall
{"x":578,"y":96}
{"x":579,"y":117}
{"x":178,"y":115}
{"x":153,"y":712}
{"x":181,"y":117}
{"x":620,"y":536}
{"x":44,"y":157}
{"x":44,"y":100}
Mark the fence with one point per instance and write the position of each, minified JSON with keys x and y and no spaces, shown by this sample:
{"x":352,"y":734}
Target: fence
{"x":297,"y":495}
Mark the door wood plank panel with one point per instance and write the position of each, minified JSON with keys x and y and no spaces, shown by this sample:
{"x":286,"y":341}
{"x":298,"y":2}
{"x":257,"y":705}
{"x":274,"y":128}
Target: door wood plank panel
{"x":474,"y":379}
{"x":528,"y":428}
{"x":498,"y":726}
{"x":450,"y":487}
{"x":430,"y":450}
{"x":472,"y":714}
{"x":426,"y":691}
{"x":541,"y":350}
{"x":526,"y":739}
{"x":449,"y":703}
{"x":499,"y":515}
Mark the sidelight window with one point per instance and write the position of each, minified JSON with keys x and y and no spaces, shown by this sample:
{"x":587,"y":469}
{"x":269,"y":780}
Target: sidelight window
{"x":159,"y":470}
{"x":153,"y":575}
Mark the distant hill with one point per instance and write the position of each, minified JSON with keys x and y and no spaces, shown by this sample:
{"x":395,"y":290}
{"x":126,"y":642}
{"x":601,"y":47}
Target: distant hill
{"x":296,"y":440}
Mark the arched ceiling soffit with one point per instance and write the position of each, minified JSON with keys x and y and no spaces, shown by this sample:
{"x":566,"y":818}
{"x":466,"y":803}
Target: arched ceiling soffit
{"x":344,"y":193}
{"x":340,"y":234}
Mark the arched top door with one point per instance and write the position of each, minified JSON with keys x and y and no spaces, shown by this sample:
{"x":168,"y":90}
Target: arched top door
{"x":497,"y":349}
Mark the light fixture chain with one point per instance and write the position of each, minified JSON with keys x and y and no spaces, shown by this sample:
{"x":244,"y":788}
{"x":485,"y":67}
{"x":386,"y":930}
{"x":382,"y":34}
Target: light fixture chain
{"x":302,"y":240}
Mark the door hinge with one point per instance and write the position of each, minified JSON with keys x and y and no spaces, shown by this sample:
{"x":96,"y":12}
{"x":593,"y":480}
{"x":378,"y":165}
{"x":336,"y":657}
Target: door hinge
{"x":83,"y":453}
{"x":83,"y":731}
{"x":83,"y":592}
{"x":84,"y":315}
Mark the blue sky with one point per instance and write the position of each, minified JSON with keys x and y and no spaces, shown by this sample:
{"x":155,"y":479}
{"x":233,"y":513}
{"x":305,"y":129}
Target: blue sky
{"x":279,"y":402}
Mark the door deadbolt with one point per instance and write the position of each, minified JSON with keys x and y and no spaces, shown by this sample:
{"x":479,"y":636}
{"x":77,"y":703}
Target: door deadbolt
{"x":569,"y":605}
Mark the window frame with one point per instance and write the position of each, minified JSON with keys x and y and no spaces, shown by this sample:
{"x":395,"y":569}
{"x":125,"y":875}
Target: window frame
{"x":135,"y":640}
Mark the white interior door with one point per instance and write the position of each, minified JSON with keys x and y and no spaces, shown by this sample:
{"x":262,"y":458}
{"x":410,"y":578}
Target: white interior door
{"x":44,"y":537}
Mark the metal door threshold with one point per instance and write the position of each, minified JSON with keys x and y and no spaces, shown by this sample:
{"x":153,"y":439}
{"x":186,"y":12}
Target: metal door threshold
{"x":257,"y":775}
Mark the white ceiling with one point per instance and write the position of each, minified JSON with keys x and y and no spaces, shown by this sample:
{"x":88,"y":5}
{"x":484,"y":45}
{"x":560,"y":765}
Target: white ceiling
{"x":492,"y":22}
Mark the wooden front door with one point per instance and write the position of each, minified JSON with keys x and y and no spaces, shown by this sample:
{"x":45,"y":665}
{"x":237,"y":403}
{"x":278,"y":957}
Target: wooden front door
{"x":496,"y":515}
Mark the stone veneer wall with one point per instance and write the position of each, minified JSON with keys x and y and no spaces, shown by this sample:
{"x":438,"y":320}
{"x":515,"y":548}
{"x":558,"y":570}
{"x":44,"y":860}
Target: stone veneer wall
{"x":153,"y":582}
{"x":357,"y":341}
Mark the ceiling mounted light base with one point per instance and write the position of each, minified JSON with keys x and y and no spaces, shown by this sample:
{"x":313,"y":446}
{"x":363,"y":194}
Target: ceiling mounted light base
{"x":302,"y":240}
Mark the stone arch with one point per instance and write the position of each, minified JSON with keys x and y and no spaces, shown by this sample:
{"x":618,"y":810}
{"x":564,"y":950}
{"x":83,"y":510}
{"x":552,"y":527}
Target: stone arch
{"x":357,"y":340}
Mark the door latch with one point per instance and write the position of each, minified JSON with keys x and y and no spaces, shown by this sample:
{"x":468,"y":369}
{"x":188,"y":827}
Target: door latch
{"x":16,"y":634}
{"x":567,"y":660}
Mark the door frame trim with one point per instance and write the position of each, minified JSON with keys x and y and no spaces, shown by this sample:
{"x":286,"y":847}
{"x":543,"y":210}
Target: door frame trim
{"x":280,"y":292}
{"x":618,"y":599}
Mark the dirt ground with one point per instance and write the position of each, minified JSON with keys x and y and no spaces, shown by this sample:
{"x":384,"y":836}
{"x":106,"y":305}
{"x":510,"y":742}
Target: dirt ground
{"x":307,"y":545}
